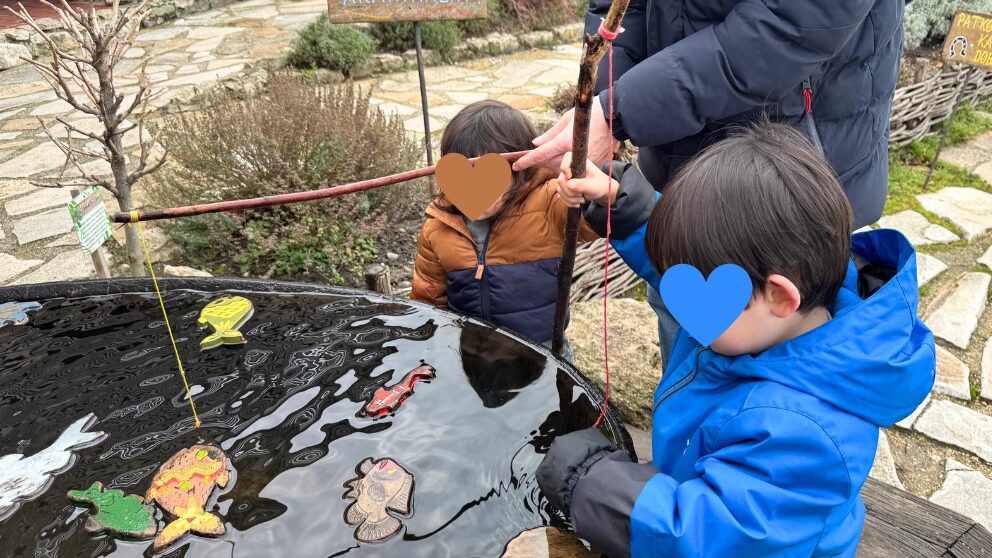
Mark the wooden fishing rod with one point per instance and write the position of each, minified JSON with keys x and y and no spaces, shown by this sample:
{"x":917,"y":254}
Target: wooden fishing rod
{"x":595,"y":47}
{"x":282,"y":199}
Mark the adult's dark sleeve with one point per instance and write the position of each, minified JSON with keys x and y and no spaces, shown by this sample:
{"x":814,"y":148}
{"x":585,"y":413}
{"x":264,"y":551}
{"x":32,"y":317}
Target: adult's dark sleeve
{"x":603,"y":501}
{"x":629,"y":48}
{"x":633,"y":205}
{"x":760,"y":52}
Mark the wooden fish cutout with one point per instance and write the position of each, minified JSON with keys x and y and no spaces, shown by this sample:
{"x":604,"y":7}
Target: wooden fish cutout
{"x":182,"y":487}
{"x":25,"y":478}
{"x":382,"y":486}
{"x":16,"y":313}
{"x":225,"y":316}
{"x":387,"y":400}
{"x":120,"y":516}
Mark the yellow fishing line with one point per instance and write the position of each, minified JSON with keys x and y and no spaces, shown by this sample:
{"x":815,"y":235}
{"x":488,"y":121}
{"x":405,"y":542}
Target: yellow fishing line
{"x":168,"y":327}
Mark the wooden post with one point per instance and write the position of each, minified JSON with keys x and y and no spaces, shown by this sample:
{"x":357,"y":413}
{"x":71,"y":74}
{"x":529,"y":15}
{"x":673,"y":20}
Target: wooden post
{"x":99,"y":257}
{"x":947,"y":127}
{"x":596,"y":47}
{"x":377,"y":279}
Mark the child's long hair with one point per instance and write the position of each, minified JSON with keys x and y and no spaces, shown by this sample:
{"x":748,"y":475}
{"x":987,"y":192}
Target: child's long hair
{"x":490,"y":127}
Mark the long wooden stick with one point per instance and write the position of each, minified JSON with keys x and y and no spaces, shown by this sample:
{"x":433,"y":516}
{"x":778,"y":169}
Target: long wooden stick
{"x":596,"y":47}
{"x":282,"y":199}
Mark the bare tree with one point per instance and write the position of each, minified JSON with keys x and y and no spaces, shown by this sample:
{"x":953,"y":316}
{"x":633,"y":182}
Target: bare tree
{"x":85,"y":80}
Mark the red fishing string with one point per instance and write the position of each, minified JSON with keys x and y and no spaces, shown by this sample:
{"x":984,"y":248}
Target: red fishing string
{"x":609,"y":36}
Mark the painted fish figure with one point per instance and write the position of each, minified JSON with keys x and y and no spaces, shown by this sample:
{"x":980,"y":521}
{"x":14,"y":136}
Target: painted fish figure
{"x":16,"y":313}
{"x":387,"y":400}
{"x":225,"y":316}
{"x":119,"y":515}
{"x":182,"y":486}
{"x":382,"y":486}
{"x":24,"y":478}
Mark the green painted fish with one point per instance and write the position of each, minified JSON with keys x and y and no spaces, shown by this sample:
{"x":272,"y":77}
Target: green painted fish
{"x":225,"y":316}
{"x":127,"y":517}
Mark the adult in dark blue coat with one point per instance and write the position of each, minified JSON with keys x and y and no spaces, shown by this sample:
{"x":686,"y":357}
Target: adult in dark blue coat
{"x":687,"y":70}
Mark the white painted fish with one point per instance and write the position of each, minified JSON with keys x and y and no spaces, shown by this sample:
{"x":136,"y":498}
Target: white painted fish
{"x":383,"y":485}
{"x":25,"y":478}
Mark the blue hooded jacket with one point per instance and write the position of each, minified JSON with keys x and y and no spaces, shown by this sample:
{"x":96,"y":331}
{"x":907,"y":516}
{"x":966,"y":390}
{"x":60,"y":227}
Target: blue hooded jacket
{"x":766,"y":455}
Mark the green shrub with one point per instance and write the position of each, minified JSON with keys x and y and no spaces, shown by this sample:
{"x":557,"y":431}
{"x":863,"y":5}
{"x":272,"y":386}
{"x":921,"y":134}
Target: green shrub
{"x":324,"y":45}
{"x":439,"y":36}
{"x":927,"y":21}
{"x":295,"y":135}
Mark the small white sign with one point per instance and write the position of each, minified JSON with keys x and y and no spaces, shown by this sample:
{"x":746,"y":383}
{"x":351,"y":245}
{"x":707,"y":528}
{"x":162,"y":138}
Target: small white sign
{"x":89,"y":218}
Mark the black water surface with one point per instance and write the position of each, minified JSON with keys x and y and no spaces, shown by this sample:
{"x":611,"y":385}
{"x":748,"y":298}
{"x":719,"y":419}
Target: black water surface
{"x":285,"y":408}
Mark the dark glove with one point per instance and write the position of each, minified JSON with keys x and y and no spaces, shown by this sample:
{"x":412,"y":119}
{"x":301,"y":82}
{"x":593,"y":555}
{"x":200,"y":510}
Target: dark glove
{"x":568,"y":459}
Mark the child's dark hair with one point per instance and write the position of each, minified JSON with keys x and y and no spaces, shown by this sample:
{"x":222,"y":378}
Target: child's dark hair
{"x":763,"y":199}
{"x":490,"y":127}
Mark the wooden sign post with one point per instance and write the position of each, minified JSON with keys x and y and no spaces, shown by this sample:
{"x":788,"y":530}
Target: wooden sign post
{"x":969,"y":42}
{"x":379,"y":11}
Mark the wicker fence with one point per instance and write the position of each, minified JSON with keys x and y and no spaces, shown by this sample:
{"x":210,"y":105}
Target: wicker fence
{"x":918,"y":110}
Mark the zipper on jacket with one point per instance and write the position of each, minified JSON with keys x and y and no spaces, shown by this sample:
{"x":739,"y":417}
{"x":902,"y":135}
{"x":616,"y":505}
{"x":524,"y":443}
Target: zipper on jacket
{"x":685,"y":381}
{"x":480,"y":274}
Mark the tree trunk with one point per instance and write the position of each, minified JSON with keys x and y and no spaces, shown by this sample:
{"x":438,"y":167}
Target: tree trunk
{"x":135,"y":256}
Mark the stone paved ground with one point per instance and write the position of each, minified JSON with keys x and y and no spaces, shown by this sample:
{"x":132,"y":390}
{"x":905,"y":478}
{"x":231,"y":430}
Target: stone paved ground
{"x":943,"y":452}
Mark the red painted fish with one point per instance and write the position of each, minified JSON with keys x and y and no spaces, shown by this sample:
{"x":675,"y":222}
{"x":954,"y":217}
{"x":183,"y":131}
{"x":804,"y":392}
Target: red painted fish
{"x":387,"y":400}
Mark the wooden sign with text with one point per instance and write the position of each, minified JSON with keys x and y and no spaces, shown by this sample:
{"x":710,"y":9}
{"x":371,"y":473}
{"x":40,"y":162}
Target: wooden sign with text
{"x":355,"y":11}
{"x":970,"y":39}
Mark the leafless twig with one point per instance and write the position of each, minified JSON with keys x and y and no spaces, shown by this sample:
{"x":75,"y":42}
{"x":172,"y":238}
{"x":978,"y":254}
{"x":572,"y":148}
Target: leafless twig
{"x":84,"y":80}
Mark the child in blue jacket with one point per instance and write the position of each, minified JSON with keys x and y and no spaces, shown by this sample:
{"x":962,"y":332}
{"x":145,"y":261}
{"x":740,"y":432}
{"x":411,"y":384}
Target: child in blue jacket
{"x":762,"y":440}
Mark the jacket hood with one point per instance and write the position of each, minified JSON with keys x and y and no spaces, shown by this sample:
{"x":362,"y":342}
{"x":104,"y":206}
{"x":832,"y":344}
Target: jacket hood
{"x":875,"y":358}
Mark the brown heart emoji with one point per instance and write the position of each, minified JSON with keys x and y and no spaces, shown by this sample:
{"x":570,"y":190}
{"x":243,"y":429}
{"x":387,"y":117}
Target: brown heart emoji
{"x":473,"y":190}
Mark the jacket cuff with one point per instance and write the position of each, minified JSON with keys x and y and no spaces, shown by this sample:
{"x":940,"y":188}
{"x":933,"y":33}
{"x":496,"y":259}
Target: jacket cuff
{"x":604,"y":100}
{"x":634,"y":203}
{"x":603,"y":501}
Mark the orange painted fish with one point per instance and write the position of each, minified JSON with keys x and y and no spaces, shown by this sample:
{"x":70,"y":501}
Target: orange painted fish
{"x":382,"y":486}
{"x":182,"y":487}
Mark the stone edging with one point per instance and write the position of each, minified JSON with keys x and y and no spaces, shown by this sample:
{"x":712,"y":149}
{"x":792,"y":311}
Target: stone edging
{"x":493,"y":44}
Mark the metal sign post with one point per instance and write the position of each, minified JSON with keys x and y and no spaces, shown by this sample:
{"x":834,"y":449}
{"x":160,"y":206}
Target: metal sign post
{"x":382,"y":11}
{"x":968,"y":42}
{"x":423,"y":104}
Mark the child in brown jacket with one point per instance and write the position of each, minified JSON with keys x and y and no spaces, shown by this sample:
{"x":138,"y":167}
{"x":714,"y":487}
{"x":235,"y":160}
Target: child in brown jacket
{"x":503,"y":267}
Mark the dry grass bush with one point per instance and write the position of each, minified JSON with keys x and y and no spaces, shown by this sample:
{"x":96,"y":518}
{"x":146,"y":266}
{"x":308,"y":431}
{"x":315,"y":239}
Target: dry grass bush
{"x":296,"y":135}
{"x":544,"y":14}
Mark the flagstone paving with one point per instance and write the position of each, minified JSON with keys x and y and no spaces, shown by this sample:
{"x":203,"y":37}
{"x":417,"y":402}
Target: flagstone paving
{"x":185,"y":56}
{"x":956,"y":318}
{"x":966,"y":491}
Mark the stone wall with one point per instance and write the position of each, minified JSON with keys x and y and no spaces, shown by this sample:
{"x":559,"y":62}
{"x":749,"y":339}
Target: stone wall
{"x":493,"y":44}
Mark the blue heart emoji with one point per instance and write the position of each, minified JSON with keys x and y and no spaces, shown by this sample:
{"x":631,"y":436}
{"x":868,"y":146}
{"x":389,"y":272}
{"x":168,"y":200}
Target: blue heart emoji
{"x":705,"y":307}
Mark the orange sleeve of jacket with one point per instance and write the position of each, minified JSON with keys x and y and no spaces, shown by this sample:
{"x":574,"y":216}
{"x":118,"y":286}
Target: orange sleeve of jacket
{"x":429,"y":278}
{"x":558,"y":214}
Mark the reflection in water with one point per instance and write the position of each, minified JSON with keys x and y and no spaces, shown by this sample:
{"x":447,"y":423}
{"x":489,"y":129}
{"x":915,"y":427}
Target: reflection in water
{"x":286,"y":409}
{"x":497,"y":366}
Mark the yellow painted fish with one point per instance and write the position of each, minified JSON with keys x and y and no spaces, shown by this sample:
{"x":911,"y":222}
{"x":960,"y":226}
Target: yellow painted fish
{"x":225,"y":316}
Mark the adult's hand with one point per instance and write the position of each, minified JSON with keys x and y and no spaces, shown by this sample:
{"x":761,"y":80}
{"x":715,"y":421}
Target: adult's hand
{"x":557,"y":141}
